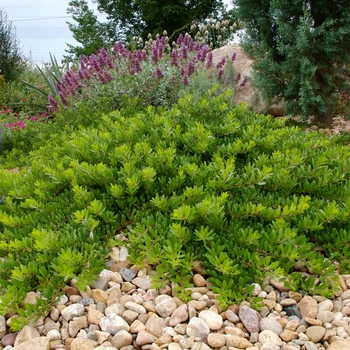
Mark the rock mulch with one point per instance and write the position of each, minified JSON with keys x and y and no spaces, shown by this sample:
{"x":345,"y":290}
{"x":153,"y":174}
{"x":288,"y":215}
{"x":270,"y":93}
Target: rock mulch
{"x":122,"y":311}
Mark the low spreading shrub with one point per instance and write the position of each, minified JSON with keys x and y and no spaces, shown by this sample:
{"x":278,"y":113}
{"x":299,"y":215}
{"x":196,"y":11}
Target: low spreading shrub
{"x":204,"y":181}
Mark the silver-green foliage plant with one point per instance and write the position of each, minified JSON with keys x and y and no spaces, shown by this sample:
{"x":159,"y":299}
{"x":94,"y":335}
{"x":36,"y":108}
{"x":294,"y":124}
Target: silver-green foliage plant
{"x":205,"y":181}
{"x":153,"y":72}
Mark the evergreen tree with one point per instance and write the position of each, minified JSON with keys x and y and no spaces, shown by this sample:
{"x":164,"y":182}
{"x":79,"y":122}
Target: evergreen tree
{"x":302,"y":54}
{"x":130,"y":19}
{"x":139,"y":17}
{"x":89,"y":32}
{"x":11,"y":61}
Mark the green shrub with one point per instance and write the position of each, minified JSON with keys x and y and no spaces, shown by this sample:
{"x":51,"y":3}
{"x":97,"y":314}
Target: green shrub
{"x":240,"y":192}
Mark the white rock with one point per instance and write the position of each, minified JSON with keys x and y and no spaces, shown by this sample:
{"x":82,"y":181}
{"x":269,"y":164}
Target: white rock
{"x":197,"y":328}
{"x":267,"y":336}
{"x":113,"y":324}
{"x":212,"y":319}
{"x":74,"y":310}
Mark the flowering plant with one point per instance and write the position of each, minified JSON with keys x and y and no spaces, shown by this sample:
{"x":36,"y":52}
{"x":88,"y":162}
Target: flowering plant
{"x":155,"y":73}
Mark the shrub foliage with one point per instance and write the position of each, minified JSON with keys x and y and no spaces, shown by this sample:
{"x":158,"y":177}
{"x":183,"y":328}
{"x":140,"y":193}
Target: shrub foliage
{"x":242,"y":193}
{"x":302,"y":55}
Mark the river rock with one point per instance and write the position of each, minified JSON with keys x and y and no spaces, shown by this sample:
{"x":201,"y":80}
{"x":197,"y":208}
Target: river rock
{"x":212,"y":319}
{"x":315,"y":333}
{"x":250,"y":318}
{"x":269,"y":337}
{"x":271,"y":324}
{"x":25,"y":334}
{"x":41,"y":343}
{"x":73,"y":310}
{"x":113,"y":324}
{"x":197,"y":328}
{"x":179,"y":315}
{"x":308,"y":307}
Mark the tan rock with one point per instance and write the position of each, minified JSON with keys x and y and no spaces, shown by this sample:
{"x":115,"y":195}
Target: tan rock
{"x":155,"y":325}
{"x":99,"y":295}
{"x":340,"y":345}
{"x":83,"y":344}
{"x":76,"y":325}
{"x":137,"y":326}
{"x":27,"y":333}
{"x":94,"y":316}
{"x":312,"y":321}
{"x":315,"y":333}
{"x":179,"y":315}
{"x":199,"y":280}
{"x":238,"y":342}
{"x":288,"y":335}
{"x":198,"y":304}
{"x":41,"y":343}
{"x":144,"y":337}
{"x":308,"y":307}
{"x":216,"y":340}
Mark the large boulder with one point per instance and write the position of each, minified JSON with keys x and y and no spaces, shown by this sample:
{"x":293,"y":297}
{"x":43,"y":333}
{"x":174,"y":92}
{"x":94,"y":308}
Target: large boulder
{"x":243,"y":65}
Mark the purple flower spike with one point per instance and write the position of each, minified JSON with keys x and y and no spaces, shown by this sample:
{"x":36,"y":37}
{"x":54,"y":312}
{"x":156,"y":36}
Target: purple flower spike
{"x":209,"y":60}
{"x":155,"y":55}
{"x":159,"y":74}
{"x":184,"y":52}
{"x":174,"y":57}
{"x":180,"y":39}
{"x":190,"y":68}
{"x":233,"y":57}
{"x":185,"y":80}
{"x":137,"y":65}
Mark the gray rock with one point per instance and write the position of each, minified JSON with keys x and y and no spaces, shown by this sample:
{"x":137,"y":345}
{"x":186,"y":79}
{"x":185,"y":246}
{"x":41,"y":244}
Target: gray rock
{"x":267,"y":336}
{"x":127,"y":274}
{"x":250,"y":318}
{"x":86,"y":301}
{"x":271,"y":324}
{"x":197,"y":328}
{"x":113,"y":324}
{"x":74,"y":310}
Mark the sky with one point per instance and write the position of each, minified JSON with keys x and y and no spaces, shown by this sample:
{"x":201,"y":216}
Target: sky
{"x":41,"y":26}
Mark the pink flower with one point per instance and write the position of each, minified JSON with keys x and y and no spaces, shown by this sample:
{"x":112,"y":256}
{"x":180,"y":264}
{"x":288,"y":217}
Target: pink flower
{"x":35,"y":118}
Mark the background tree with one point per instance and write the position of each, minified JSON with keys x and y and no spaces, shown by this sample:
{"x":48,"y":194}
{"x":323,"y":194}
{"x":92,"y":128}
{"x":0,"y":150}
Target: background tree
{"x":11,"y":60}
{"x":129,"y":19}
{"x":88,"y":31}
{"x":302,"y":53}
{"x":140,"y":17}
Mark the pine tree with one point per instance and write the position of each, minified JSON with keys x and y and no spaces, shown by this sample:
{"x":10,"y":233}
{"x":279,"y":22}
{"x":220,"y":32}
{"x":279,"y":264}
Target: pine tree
{"x":302,"y":53}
